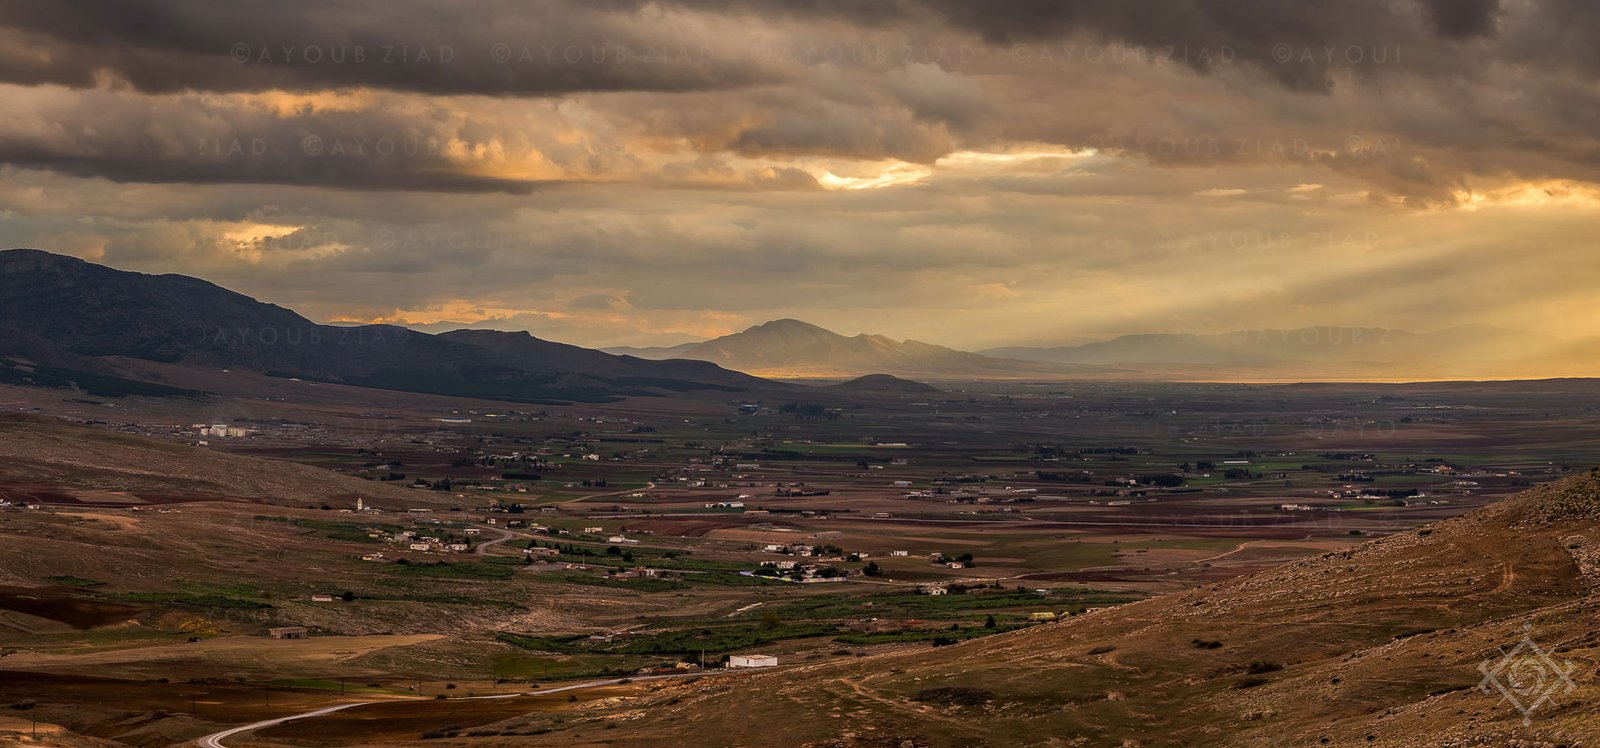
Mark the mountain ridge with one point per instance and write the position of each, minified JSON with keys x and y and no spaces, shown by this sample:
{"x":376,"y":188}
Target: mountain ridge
{"x":793,"y":348}
{"x":65,"y":311}
{"x":789,"y":347}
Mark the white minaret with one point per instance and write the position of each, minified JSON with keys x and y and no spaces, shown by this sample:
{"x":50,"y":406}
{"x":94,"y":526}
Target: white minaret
{"x":361,"y":505}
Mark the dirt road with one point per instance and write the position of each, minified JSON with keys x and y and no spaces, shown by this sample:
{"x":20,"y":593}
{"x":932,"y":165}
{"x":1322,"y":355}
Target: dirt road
{"x":214,"y":740}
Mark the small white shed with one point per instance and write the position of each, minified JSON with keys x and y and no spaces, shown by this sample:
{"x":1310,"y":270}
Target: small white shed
{"x":755,"y":660}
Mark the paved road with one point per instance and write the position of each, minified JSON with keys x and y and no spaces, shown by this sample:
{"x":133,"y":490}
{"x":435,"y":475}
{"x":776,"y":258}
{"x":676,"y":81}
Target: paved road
{"x":214,"y":740}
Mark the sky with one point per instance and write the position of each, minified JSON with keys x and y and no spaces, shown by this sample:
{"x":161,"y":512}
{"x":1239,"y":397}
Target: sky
{"x":1012,"y":172}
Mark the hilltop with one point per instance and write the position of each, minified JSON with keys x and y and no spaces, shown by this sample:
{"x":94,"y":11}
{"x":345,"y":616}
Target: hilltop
{"x":885,"y":383}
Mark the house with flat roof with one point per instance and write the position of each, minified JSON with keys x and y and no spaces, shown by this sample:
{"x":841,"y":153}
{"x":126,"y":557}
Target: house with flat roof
{"x":753,"y":660}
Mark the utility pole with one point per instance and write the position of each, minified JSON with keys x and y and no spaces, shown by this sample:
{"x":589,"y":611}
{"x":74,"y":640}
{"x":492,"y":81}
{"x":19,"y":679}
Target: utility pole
{"x":341,"y":686}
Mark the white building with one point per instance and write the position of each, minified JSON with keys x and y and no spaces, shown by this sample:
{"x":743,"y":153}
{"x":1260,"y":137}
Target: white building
{"x":755,"y":660}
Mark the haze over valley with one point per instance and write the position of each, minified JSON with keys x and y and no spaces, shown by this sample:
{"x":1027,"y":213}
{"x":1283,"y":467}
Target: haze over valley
{"x":880,"y":374}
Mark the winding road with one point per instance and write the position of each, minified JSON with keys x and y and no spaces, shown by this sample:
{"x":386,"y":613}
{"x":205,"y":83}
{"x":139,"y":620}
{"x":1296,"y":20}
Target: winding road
{"x":483,"y":548}
{"x":215,"y":739}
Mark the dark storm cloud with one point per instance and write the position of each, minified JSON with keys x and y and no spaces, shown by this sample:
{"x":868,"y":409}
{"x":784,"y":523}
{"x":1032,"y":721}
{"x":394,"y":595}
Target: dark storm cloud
{"x":491,"y":47}
{"x":500,"y":47}
{"x":136,"y":138}
{"x":138,"y":168}
{"x":635,"y":90}
{"x":1299,"y":45}
{"x":1459,"y":19}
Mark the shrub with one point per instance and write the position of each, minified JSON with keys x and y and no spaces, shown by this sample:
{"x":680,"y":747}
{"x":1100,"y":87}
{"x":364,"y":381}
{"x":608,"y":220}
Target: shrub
{"x":1250,"y":683}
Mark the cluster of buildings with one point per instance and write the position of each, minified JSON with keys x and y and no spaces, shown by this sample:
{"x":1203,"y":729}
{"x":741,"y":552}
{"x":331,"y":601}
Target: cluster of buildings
{"x":413,"y":540}
{"x":795,"y":571}
{"x":221,"y":430}
{"x":788,"y":549}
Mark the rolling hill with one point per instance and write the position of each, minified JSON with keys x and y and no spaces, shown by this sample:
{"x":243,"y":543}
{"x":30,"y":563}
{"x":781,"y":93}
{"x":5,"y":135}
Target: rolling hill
{"x":45,"y":454}
{"x":72,"y":320}
{"x":792,"y":348}
{"x":885,"y":384}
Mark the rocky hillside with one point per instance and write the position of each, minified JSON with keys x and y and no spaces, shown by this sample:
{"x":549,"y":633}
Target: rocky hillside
{"x":1380,"y":644}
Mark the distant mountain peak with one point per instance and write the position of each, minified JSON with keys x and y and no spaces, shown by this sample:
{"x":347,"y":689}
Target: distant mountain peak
{"x":788,"y":323}
{"x":794,"y":348}
{"x":787,"y":328}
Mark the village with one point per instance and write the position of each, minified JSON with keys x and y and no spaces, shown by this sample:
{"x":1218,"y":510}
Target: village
{"x":535,"y":545}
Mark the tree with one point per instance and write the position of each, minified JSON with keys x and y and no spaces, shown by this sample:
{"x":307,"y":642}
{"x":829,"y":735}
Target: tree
{"x":871,"y":569}
{"x":988,"y":623}
{"x":347,"y":596}
{"x":770,"y":619}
